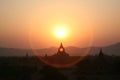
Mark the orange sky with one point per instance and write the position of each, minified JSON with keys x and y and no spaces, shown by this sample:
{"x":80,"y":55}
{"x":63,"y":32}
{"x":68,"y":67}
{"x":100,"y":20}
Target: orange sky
{"x":26,"y":23}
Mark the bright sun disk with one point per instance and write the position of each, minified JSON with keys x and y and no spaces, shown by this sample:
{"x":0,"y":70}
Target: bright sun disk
{"x":61,"y":31}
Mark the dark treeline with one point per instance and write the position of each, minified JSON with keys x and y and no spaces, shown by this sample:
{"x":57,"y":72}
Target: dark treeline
{"x":31,"y":68}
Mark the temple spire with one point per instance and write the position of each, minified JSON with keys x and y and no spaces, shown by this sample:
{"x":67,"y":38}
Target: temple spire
{"x":101,"y":53}
{"x":61,"y":45}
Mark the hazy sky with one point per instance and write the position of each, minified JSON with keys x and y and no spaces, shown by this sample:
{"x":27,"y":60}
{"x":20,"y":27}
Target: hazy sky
{"x":26,"y":23}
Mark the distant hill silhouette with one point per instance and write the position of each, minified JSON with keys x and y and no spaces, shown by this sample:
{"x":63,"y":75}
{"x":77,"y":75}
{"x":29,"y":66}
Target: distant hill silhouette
{"x":73,"y":51}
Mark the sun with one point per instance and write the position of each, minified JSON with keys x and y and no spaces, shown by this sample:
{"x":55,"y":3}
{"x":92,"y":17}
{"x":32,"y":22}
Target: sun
{"x":61,"y":31}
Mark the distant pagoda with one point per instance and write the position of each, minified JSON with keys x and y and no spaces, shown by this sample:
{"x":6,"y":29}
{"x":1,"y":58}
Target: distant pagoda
{"x":61,"y":51}
{"x":101,"y":54}
{"x":60,"y":58}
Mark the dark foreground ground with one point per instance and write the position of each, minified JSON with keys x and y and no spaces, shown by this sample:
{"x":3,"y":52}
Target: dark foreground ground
{"x":31,"y":68}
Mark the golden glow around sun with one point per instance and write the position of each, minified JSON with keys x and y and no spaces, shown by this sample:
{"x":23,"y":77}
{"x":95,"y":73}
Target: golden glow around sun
{"x":61,"y":31}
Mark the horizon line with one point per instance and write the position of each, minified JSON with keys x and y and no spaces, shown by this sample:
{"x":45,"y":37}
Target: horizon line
{"x":56,"y":47}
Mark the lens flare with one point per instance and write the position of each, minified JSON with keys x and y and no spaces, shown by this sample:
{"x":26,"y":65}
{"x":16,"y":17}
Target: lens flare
{"x":60,"y":60}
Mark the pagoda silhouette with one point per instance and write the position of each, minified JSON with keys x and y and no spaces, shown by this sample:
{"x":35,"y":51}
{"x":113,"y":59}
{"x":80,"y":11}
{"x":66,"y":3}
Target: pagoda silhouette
{"x":101,"y":54}
{"x":61,"y":52}
{"x":60,"y":58}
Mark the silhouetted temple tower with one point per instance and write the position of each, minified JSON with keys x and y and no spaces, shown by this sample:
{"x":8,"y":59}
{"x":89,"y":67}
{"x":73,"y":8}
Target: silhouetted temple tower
{"x":101,"y":54}
{"x":61,"y":51}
